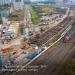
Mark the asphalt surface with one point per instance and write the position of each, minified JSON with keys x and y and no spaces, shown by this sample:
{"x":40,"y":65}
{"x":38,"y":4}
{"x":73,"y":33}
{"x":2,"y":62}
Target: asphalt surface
{"x":52,"y":60}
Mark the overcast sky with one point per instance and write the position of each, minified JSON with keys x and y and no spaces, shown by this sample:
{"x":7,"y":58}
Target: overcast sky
{"x":69,"y":1}
{"x":57,"y":0}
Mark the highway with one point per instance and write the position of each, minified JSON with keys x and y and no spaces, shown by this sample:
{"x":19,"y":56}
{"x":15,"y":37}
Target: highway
{"x":52,"y":59}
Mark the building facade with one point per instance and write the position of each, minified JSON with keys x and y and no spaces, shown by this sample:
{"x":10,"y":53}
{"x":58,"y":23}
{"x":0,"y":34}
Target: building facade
{"x":3,"y":2}
{"x":27,"y":1}
{"x":18,"y":4}
{"x":52,"y":1}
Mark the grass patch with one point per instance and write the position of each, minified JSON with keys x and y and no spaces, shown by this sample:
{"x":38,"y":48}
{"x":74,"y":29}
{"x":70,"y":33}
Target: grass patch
{"x":35,"y":11}
{"x":48,"y":10}
{"x":34,"y":16}
{"x":70,"y":68}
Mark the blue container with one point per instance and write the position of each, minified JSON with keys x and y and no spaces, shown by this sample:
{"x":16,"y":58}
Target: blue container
{"x":1,"y":63}
{"x":24,"y":39}
{"x":42,"y":49}
{"x":32,"y":55}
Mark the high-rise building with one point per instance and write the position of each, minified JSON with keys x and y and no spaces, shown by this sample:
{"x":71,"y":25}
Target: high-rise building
{"x":3,"y":2}
{"x":27,"y":1}
{"x":48,"y":1}
{"x":65,"y":1}
{"x":18,"y":4}
{"x":51,"y":1}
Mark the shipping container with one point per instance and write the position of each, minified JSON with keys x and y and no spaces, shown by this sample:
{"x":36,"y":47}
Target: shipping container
{"x":32,"y":55}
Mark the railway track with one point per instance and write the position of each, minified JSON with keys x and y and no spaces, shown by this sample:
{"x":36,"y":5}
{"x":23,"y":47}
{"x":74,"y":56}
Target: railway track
{"x":42,"y":38}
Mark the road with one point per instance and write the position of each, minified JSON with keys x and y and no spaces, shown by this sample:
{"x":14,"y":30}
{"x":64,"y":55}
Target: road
{"x":52,"y":59}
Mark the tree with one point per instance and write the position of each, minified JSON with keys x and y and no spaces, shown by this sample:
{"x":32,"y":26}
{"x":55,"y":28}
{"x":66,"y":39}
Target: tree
{"x":1,"y":20}
{"x":73,"y":24}
{"x":70,"y":68}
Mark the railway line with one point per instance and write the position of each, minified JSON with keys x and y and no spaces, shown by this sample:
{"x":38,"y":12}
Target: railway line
{"x":42,"y":38}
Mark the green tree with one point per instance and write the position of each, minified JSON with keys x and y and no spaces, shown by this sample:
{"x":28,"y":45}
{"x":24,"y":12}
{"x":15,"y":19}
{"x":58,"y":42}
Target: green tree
{"x":70,"y":68}
{"x":73,"y":24}
{"x":1,"y":20}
